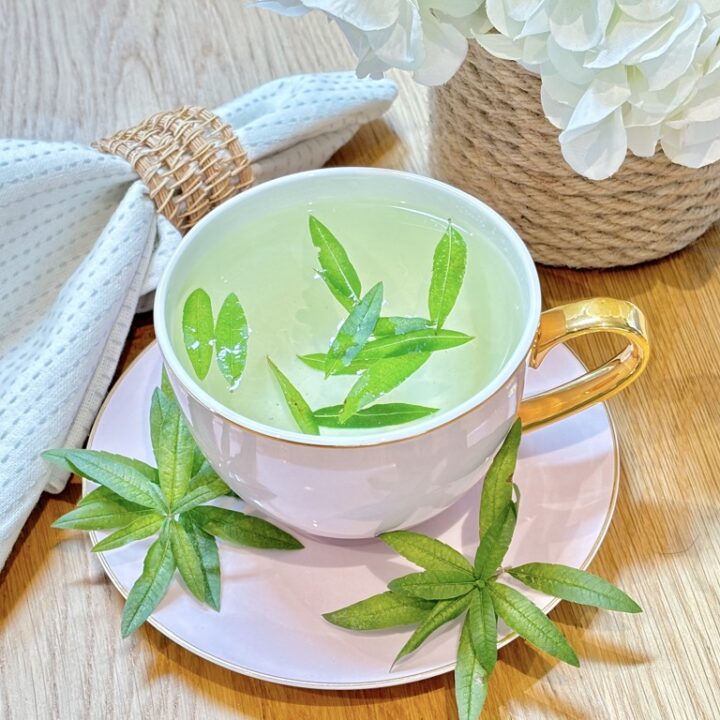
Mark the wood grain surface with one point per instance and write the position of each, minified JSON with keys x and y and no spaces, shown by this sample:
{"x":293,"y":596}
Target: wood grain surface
{"x":78,"y":69}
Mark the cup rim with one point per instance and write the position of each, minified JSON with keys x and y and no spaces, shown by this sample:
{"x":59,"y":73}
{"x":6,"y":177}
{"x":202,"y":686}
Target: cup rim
{"x":514,"y":361}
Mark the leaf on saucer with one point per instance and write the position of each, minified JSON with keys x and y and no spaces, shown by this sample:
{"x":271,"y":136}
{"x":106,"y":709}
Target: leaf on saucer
{"x":495,"y":543}
{"x":101,"y":514}
{"x":207,"y":550}
{"x":242,"y":529}
{"x":448,"y":272}
{"x":433,"y":585}
{"x":128,"y":479}
{"x":198,"y":331}
{"x":443,"y":612}
{"x":205,"y":486}
{"x":140,"y":528}
{"x":299,"y":409}
{"x":575,"y":585}
{"x":386,"y":610}
{"x":355,"y":331}
{"x":482,"y":622}
{"x":335,"y":267}
{"x":379,"y":379}
{"x":527,"y":620}
{"x":188,"y":560}
{"x":426,"y":552}
{"x":395,"y":325}
{"x":174,"y":455}
{"x":231,"y":340}
{"x":151,"y":586}
{"x":375,"y":416}
{"x":471,"y":677}
{"x":497,"y":487}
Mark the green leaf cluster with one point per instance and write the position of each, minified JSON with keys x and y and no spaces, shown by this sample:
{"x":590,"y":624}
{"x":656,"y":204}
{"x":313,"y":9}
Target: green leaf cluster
{"x":227,"y":337}
{"x":138,"y":501}
{"x":382,"y":351}
{"x":450,"y":586}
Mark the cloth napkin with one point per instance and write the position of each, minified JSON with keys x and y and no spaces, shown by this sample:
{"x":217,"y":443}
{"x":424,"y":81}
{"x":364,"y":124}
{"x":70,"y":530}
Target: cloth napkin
{"x":81,"y":247}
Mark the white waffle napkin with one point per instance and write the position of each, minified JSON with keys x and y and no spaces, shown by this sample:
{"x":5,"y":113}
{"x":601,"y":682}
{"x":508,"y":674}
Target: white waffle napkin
{"x":81,"y":244}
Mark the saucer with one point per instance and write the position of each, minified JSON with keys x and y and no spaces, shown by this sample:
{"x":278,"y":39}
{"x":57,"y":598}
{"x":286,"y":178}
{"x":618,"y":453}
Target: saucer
{"x":270,"y":625}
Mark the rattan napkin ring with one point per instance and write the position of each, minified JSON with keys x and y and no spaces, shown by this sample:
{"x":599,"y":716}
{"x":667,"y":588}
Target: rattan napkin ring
{"x":189,"y":159}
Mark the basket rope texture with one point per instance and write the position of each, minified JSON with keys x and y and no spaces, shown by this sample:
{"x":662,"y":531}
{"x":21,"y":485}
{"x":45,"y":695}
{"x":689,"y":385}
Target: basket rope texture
{"x":491,"y":139}
{"x":189,"y":159}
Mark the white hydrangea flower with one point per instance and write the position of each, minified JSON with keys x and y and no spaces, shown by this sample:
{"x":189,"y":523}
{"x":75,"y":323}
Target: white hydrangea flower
{"x":427,"y":37}
{"x":616,"y":74}
{"x":619,"y":75}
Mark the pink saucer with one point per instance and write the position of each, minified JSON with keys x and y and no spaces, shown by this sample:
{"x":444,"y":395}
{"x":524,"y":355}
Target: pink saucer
{"x":270,"y":626}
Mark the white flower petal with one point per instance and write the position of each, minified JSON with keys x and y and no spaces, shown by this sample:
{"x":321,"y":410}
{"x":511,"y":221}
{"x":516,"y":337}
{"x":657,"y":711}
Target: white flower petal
{"x":500,"y":46}
{"x":662,"y":41}
{"x":695,"y":146}
{"x":498,"y":15}
{"x":642,"y":141}
{"x":574,"y":24}
{"x":445,"y":50}
{"x":625,"y":35}
{"x":597,"y":151}
{"x":605,"y":94}
{"x":668,"y":67}
{"x":522,"y":10}
{"x":569,"y":63}
{"x":646,"y":9}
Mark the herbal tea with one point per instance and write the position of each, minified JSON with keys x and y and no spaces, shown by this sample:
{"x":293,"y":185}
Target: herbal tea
{"x":347,"y":317}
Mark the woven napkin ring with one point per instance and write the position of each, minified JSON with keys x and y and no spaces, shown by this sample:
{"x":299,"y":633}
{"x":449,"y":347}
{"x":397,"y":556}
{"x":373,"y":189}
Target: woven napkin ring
{"x":189,"y":159}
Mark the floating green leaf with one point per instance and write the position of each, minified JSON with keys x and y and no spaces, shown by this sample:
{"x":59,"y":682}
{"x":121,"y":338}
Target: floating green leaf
{"x":241,"y":529}
{"x":575,"y":585}
{"x":174,"y":455}
{"x":400,"y":325}
{"x":530,"y":622}
{"x":150,"y":587}
{"x":198,"y":331}
{"x":188,"y":560}
{"x":411,"y":342}
{"x":433,"y":585}
{"x":482,"y":622}
{"x":355,"y":331}
{"x":497,"y":486}
{"x":299,"y":409}
{"x":126,"y":479}
{"x":335,"y":267}
{"x":140,"y":528}
{"x":231,"y":340}
{"x":443,"y":612}
{"x":379,"y":379}
{"x":206,"y":549}
{"x":316,"y":361}
{"x":375,"y":416}
{"x":391,"y":346}
{"x":426,"y":552}
{"x":101,"y":514}
{"x":448,"y":273}
{"x":471,"y":677}
{"x":495,"y":543}
{"x":381,"y":611}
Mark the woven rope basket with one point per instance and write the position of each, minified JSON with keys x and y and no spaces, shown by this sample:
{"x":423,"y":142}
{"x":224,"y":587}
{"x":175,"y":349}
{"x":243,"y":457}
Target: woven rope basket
{"x":491,"y":138}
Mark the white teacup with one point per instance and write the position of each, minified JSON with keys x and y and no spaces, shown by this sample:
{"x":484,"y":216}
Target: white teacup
{"x":359,"y":486}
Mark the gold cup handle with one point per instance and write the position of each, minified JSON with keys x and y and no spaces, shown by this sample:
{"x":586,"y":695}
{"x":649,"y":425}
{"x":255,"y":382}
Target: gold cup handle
{"x":584,"y":318}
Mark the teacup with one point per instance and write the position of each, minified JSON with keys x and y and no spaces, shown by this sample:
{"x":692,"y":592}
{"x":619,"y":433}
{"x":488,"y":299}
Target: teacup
{"x":358,"y":486}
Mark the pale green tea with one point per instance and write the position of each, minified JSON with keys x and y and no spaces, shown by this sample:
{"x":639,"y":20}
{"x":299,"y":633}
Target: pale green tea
{"x":271,"y":265}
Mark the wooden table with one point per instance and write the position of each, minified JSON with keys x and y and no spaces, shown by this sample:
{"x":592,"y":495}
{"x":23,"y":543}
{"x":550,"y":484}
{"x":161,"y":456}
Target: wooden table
{"x":78,"y":69}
